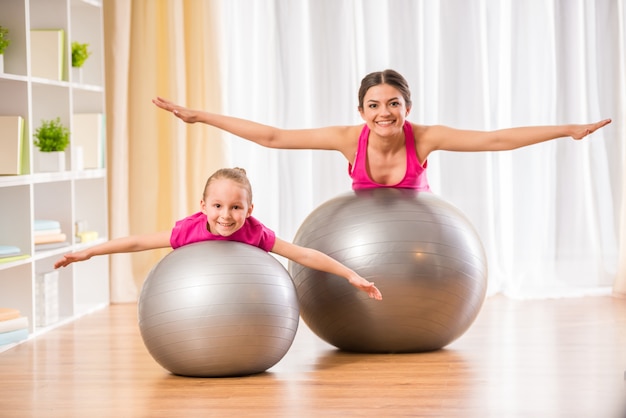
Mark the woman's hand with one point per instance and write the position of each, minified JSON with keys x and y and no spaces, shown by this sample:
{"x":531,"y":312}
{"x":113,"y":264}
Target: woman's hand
{"x":186,"y":115}
{"x":581,"y":131}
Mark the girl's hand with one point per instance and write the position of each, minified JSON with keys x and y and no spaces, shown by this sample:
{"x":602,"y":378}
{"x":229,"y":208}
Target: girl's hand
{"x":362,"y":284}
{"x":71,"y":258}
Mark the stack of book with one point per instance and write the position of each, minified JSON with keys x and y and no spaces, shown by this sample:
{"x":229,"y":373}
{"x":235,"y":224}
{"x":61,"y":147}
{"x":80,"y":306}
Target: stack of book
{"x":10,"y":253}
{"x":48,"y":235}
{"x":13,"y":326}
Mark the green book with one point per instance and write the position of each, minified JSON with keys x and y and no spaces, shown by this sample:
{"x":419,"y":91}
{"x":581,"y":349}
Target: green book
{"x":11,"y":138}
{"x":13,"y":258}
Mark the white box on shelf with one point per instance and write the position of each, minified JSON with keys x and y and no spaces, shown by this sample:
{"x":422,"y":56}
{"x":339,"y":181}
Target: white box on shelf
{"x":47,"y":53}
{"x":88,"y":132}
{"x":47,"y":299}
{"x":11,"y":138}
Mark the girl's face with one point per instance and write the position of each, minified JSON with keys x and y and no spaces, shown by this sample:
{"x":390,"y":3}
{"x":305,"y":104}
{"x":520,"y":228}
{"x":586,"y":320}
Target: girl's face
{"x":384,"y":110}
{"x":226,"y":206}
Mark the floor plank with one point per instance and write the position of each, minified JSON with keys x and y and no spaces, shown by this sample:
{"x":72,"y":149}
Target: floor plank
{"x":541,"y":358}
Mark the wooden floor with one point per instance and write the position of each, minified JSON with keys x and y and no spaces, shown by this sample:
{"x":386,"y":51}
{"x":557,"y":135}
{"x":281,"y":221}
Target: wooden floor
{"x":548,"y":358}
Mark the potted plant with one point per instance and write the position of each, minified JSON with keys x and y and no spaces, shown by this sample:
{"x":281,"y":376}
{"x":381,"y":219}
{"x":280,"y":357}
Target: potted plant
{"x":80,"y":53}
{"x":52,"y":137}
{"x":4,"y":43}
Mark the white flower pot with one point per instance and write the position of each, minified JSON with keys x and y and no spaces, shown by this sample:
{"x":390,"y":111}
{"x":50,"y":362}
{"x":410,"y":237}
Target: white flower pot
{"x":1,"y":63}
{"x":50,"y":161}
{"x":77,"y":75}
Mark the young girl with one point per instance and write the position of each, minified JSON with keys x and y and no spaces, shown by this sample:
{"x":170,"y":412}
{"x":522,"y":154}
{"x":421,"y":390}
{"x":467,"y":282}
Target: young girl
{"x":386,"y":151}
{"x":226,"y":209}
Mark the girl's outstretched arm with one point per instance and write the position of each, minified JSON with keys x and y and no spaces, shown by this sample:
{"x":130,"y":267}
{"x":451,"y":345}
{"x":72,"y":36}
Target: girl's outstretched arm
{"x":128,"y":244}
{"x":317,"y":260}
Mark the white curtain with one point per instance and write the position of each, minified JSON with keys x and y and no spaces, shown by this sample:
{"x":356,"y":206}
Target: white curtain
{"x":549,"y":215}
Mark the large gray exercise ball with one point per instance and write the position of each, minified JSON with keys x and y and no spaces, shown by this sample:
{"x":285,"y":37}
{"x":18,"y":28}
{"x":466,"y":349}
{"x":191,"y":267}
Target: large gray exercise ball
{"x":420,"y":251}
{"x":217,"y":309}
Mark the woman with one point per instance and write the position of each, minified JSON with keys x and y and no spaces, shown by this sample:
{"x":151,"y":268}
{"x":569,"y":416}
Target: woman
{"x":388,"y":150}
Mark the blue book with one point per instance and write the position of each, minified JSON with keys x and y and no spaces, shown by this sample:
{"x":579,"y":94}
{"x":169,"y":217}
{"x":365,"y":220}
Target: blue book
{"x":43,"y":224}
{"x":6,"y":250}
{"x":13,"y":336}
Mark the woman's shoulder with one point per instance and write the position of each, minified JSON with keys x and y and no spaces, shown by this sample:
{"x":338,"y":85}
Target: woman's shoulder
{"x":428,"y":132}
{"x":428,"y":138}
{"x":344,"y":131}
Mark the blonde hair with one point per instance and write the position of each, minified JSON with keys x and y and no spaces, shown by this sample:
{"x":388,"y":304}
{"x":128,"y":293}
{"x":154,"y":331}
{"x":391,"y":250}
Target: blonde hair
{"x":237,"y":174}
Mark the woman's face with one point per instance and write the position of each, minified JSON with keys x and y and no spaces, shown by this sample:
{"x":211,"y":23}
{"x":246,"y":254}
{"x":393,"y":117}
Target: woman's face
{"x":384,"y":110}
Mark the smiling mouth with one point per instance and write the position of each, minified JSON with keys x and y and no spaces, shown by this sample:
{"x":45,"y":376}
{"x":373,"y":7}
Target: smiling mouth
{"x":385,"y":122}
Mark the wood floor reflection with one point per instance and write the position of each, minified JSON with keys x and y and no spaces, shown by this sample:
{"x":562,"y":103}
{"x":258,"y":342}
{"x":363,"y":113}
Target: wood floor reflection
{"x":547,"y":358}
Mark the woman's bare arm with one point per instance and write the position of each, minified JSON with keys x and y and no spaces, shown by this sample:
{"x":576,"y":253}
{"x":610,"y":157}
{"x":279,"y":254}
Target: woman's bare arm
{"x":449,"y":139}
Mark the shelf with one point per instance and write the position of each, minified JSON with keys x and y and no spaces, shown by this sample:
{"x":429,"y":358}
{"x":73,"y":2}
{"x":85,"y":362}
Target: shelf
{"x":67,"y":197}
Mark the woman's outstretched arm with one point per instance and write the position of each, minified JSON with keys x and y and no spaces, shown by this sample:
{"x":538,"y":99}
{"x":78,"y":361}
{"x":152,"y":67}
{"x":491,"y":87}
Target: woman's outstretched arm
{"x":337,"y":138}
{"x":450,"y":139}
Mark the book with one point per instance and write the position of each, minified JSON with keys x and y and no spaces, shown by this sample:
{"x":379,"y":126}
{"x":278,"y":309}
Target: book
{"x":47,"y":53}
{"x":87,"y":236}
{"x":11,"y":139}
{"x":9,"y":250}
{"x":13,"y":324}
{"x":88,"y":133}
{"x":13,"y":258}
{"x":9,"y":313}
{"x":51,"y":246}
{"x":48,"y":238}
{"x":13,"y":336}
{"x":11,"y":255}
{"x":39,"y":232}
{"x":43,"y":224}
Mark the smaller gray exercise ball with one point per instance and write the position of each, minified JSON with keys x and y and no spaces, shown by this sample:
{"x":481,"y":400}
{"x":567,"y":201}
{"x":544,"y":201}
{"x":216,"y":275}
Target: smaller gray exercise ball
{"x":420,"y":251}
{"x":217,"y":309}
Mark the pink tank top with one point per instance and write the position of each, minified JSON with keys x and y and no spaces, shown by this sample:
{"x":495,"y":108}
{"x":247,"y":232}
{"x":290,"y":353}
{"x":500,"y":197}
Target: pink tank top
{"x":194,"y":229}
{"x":414,"y":178}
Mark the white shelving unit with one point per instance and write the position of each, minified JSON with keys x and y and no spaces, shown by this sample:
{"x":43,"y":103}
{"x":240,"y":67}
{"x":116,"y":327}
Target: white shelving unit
{"x":68,"y":196}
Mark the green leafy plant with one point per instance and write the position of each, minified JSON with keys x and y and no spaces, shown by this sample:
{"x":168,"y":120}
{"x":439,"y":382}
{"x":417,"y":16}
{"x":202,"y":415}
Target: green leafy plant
{"x":4,"y":39}
{"x":52,"y":135}
{"x":80,"y":53}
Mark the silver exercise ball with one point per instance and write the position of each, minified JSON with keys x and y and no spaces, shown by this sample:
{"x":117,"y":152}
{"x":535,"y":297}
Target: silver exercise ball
{"x":217,"y":309}
{"x":420,"y":251}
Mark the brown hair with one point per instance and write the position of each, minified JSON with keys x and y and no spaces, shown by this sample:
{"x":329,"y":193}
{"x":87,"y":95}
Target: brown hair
{"x":391,"y":77}
{"x":238,"y":175}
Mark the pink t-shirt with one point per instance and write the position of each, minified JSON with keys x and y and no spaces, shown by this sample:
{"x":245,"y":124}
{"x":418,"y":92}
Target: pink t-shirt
{"x":414,"y":178}
{"x":194,"y":229}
